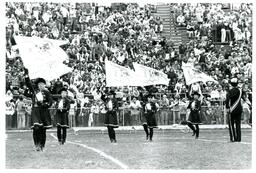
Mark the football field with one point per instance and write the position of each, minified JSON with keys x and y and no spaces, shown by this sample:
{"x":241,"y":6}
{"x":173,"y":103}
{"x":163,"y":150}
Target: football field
{"x":170,"y":149}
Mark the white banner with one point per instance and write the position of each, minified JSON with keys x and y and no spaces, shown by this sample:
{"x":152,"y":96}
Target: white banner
{"x":150,"y":76}
{"x":193,"y":75}
{"x":43,"y":57}
{"x":117,"y":75}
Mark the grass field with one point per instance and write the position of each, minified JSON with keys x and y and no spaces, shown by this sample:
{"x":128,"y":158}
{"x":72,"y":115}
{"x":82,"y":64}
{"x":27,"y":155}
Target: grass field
{"x":170,"y":149}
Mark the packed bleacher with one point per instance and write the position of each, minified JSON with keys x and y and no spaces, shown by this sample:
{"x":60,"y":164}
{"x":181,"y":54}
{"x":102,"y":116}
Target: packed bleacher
{"x":220,"y":45}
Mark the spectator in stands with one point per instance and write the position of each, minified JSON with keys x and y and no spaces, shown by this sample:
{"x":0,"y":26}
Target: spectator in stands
{"x":190,"y":29}
{"x":20,"y":108}
{"x":127,"y":33}
{"x":195,"y":87}
{"x":164,"y":114}
{"x":179,"y":85}
{"x":135,"y":108}
{"x":95,"y":110}
{"x":10,"y":110}
{"x":181,"y":20}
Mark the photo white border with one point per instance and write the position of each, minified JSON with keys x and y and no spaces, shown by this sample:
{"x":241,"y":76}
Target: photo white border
{"x":2,"y":89}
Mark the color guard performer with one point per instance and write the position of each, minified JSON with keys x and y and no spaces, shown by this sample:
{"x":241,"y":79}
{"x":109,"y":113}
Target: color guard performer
{"x":194,"y":116}
{"x":62,"y":116}
{"x":150,"y":111}
{"x":234,"y":111}
{"x":40,"y":115}
{"x":111,"y":115}
{"x":143,"y":98}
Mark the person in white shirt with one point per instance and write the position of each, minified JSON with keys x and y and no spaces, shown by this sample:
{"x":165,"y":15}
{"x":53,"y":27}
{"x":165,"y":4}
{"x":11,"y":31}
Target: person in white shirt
{"x":181,"y":20}
{"x":215,"y":94}
{"x":178,"y":86}
{"x":161,"y":27}
{"x":94,"y":115}
{"x":246,"y":104}
{"x":73,"y":18}
{"x":65,"y":14}
{"x":72,"y":113}
{"x":135,"y":107}
{"x":20,"y":108}
{"x":163,"y":116}
{"x":10,"y":109}
{"x":195,"y":87}
{"x":46,"y":16}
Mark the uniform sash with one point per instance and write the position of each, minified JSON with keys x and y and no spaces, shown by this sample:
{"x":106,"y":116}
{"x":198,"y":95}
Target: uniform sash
{"x":232,"y":108}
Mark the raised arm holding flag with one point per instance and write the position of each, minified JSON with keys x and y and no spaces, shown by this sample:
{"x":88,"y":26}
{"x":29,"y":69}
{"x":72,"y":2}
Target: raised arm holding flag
{"x":43,"y":59}
{"x":40,"y":115}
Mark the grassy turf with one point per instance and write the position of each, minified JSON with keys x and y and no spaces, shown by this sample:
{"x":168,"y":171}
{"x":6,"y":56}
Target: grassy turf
{"x":169,"y":150}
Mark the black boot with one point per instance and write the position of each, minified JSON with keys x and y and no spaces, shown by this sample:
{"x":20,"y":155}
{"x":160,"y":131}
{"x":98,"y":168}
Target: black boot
{"x":64,"y":136}
{"x":151,"y":134}
{"x":190,"y":125}
{"x":197,"y":131}
{"x":145,"y":127}
{"x":194,"y":132}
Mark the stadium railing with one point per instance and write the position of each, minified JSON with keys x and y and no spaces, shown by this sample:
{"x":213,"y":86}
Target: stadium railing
{"x":127,"y":117}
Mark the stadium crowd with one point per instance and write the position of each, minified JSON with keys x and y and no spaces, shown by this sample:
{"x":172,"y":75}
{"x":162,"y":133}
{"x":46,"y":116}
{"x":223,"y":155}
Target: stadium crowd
{"x":132,"y":34}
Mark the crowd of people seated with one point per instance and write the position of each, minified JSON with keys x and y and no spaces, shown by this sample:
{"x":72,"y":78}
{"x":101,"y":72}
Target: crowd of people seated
{"x":95,"y":33}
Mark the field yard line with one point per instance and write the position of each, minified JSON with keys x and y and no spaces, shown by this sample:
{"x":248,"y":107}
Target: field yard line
{"x":207,"y":140}
{"x":99,"y":152}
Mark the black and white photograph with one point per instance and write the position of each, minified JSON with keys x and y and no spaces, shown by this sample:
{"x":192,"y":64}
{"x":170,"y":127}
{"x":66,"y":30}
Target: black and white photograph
{"x":140,"y":85}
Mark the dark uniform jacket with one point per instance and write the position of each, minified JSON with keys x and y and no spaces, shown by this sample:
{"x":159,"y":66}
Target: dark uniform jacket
{"x":231,"y":98}
{"x":40,"y":114}
{"x":111,"y":114}
{"x":62,"y":114}
{"x":194,"y":116}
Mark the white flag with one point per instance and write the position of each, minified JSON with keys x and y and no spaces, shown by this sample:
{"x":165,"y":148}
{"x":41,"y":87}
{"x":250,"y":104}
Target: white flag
{"x":43,"y":57}
{"x":117,"y":75}
{"x":150,"y":76}
{"x":193,"y":75}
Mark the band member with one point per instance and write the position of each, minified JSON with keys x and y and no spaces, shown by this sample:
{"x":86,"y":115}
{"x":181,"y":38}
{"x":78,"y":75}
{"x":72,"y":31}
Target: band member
{"x":150,"y":111}
{"x":111,"y":115}
{"x":234,"y":111}
{"x":62,"y":116}
{"x":143,"y":98}
{"x":194,"y":116}
{"x":40,"y":115}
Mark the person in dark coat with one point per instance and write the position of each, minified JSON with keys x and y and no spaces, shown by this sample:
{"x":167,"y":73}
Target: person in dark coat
{"x":62,"y":116}
{"x":40,"y":115}
{"x":234,"y":111}
{"x":150,"y":111}
{"x":111,"y":115}
{"x":143,"y":120}
{"x":194,"y":116}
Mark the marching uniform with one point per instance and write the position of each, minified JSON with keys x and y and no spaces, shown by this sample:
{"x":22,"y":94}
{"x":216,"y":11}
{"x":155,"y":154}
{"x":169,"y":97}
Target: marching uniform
{"x":111,"y":115}
{"x":194,"y":116}
{"x":234,"y":111}
{"x":143,"y":118}
{"x":150,"y":111}
{"x":40,"y":115}
{"x":62,"y":118}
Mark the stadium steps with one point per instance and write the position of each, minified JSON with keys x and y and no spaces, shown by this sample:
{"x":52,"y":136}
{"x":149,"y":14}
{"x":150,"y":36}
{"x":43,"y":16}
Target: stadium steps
{"x":163,"y":11}
{"x":176,"y":34}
